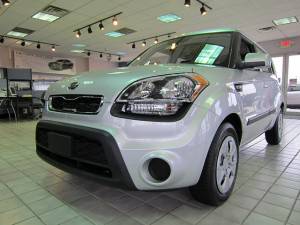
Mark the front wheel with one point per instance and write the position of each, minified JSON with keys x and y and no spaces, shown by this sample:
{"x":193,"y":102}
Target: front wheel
{"x":273,"y":136}
{"x":220,"y":169}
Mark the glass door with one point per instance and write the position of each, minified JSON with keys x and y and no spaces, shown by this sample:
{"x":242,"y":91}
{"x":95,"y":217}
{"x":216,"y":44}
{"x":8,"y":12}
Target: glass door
{"x":293,"y":85}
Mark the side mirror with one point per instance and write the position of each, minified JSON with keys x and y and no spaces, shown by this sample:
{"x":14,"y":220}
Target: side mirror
{"x":253,"y":60}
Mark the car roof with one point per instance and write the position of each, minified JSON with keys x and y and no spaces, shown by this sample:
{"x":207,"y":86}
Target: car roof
{"x":221,"y":30}
{"x":212,"y":31}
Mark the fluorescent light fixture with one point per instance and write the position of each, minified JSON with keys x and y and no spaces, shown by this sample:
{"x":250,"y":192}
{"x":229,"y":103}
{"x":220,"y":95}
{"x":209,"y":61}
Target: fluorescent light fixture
{"x":79,"y":45}
{"x":16,"y":34}
{"x":45,"y":17}
{"x":121,"y":53}
{"x":286,"y":20}
{"x":114,"y":34}
{"x":19,"y":32}
{"x":168,"y":18}
{"x":77,"y":51}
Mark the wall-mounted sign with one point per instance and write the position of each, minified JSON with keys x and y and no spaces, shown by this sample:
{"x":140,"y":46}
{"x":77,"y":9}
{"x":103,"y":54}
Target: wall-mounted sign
{"x":45,"y":64}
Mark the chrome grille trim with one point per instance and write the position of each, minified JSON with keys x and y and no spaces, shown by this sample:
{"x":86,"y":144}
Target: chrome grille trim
{"x":77,"y":104}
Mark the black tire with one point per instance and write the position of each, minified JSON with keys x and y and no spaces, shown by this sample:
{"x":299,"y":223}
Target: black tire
{"x":273,"y":136}
{"x":206,"y":190}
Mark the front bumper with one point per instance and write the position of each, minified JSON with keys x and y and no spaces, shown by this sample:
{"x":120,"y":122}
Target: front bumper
{"x":130,"y":145}
{"x":84,"y":151}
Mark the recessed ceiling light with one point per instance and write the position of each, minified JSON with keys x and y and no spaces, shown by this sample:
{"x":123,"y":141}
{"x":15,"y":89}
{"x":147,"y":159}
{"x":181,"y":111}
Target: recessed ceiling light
{"x":169,"y":18}
{"x":286,"y":20}
{"x":19,"y":32}
{"x":79,"y":45}
{"x":114,"y":34}
{"x":45,"y":17}
{"x":16,"y":34}
{"x":50,"y":13}
{"x":77,"y":51}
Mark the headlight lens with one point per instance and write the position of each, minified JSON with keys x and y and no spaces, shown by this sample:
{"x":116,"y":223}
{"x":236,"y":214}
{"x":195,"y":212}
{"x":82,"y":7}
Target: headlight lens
{"x":163,"y":95}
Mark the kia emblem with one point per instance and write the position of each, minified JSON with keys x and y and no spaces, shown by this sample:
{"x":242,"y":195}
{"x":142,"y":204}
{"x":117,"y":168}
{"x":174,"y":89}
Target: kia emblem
{"x":73,"y":85}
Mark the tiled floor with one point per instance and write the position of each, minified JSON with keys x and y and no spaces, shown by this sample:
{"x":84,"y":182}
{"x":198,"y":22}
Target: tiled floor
{"x":33,"y":192}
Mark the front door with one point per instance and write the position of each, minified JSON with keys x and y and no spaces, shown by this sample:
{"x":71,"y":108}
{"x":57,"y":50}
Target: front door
{"x":253,"y":89}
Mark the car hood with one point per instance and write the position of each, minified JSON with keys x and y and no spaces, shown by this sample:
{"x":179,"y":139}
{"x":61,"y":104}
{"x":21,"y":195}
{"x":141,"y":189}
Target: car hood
{"x":110,"y":83}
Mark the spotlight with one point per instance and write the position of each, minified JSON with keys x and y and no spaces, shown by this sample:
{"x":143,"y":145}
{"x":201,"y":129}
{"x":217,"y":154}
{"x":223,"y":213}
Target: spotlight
{"x":23,"y":43}
{"x":100,"y":55}
{"x":53,"y":48}
{"x":6,"y":2}
{"x":115,"y":21}
{"x":156,"y":41}
{"x":173,"y":46}
{"x":101,"y":27}
{"x":144,"y":43}
{"x":119,"y":58}
{"x":133,"y":45}
{"x":78,"y":34}
{"x":90,"y":30}
{"x":38,"y":45}
{"x":1,"y":40}
{"x":187,"y":3}
{"x":203,"y":10}
{"x":88,"y":53}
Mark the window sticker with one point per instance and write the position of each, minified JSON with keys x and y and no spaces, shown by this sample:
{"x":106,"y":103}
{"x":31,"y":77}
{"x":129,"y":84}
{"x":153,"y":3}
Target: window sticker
{"x":209,"y":54}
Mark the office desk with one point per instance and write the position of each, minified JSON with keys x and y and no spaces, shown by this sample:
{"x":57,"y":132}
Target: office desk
{"x":17,"y":104}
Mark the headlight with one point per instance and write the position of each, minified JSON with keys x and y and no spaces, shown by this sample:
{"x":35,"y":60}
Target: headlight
{"x":160,"y":96}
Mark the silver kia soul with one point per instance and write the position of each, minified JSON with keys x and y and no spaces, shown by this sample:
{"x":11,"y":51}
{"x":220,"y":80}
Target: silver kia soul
{"x":175,"y":117}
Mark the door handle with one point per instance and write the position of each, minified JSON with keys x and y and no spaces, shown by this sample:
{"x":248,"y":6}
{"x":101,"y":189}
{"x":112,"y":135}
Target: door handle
{"x":266,"y":86}
{"x":239,"y":85}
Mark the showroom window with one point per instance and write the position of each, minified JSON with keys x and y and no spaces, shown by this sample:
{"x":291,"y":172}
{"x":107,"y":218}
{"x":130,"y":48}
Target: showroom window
{"x":278,"y":64}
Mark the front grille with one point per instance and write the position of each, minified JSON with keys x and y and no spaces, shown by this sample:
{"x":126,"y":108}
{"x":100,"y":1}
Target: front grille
{"x":80,"y":104}
{"x":81,"y":165}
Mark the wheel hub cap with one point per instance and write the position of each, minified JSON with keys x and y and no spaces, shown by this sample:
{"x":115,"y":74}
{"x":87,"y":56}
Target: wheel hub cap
{"x":226,"y":165}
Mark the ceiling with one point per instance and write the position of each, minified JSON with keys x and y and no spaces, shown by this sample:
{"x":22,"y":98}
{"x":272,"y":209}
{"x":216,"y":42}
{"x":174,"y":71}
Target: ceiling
{"x":141,"y":15}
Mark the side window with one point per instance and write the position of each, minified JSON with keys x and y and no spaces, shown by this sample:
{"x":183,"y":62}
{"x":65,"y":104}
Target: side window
{"x":246,"y":48}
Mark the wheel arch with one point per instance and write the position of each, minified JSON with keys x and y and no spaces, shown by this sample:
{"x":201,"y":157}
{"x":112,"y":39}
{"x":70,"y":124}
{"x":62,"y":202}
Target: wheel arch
{"x":235,"y":120}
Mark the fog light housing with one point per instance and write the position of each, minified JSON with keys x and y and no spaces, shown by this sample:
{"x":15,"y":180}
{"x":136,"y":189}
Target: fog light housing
{"x":159,"y":169}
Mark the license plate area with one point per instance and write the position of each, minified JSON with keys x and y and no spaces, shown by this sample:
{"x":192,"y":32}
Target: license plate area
{"x":60,"y":144}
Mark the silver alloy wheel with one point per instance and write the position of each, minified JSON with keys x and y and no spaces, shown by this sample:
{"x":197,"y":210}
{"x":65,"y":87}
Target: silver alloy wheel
{"x":280,"y":124}
{"x":226,"y":164}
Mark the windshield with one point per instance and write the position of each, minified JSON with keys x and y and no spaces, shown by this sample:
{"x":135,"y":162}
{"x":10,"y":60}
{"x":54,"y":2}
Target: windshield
{"x":208,"y":49}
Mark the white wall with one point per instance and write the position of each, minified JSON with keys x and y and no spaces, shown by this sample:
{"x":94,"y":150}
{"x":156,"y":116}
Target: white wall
{"x":6,"y":59}
{"x":83,"y":64}
{"x":97,"y":63}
